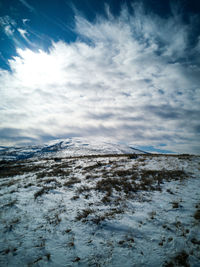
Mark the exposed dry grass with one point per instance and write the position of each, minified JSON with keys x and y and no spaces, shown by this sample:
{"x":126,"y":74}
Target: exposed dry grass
{"x":72,"y":181}
{"x":123,"y":173}
{"x":58,"y":171}
{"x":75,"y":197}
{"x":195,"y":241}
{"x":152,"y":214}
{"x":181,"y":259}
{"x":112,"y":182}
{"x":94,"y":166}
{"x":197,"y":215}
{"x":148,"y":180}
{"x":175,"y":205}
{"x":10,"y":169}
{"x":118,"y":184}
{"x":126,"y":184}
{"x":84,"y":214}
{"x":10,"y":203}
{"x":106,"y":215}
{"x":51,"y":180}
{"x":43,"y":190}
{"x":107,"y":178}
{"x":48,"y":255}
{"x":28,"y":185}
{"x":163,"y":175}
{"x":9,"y":182}
{"x":91,"y":177}
{"x":55,"y":219}
{"x":83,"y":189}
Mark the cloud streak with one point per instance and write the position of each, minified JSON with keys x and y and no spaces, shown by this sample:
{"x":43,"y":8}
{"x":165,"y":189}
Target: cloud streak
{"x":27,"y":5}
{"x":133,"y":79}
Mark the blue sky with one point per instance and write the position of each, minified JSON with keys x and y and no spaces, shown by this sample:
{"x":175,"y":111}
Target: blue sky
{"x":124,"y":71}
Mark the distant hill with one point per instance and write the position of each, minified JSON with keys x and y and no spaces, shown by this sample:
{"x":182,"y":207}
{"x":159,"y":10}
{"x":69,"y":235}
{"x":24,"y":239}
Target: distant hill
{"x":66,"y":148}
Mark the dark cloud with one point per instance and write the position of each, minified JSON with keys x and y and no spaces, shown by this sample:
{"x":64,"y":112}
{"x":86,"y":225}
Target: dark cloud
{"x":16,"y":135}
{"x":100,"y":116}
{"x":9,"y":132}
{"x":164,"y":112}
{"x":197,"y":129}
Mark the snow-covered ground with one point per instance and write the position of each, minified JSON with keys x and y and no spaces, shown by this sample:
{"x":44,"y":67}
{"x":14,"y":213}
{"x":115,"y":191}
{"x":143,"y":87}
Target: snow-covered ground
{"x":100,"y":211}
{"x":65,"y":148}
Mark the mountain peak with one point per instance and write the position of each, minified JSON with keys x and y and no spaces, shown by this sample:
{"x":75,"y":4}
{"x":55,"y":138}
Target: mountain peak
{"x":67,"y":148}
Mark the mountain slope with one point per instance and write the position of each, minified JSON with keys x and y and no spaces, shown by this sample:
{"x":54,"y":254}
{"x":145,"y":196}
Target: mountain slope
{"x":66,"y":148}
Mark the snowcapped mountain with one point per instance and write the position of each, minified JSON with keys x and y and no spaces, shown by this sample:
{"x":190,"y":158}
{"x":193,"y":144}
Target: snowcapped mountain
{"x":66,"y":148}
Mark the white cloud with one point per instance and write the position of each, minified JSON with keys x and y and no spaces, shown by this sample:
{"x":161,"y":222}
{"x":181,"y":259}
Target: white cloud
{"x":25,"y":21}
{"x":23,"y":33}
{"x":125,"y":78}
{"x":8,"y":25}
{"x":8,"y":30}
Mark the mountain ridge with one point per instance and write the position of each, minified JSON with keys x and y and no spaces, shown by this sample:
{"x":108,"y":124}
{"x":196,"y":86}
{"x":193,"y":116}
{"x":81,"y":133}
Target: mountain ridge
{"x":68,"y":147}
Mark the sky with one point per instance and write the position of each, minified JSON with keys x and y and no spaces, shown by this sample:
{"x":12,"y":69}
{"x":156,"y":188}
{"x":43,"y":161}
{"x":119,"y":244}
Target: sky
{"x":117,"y":70}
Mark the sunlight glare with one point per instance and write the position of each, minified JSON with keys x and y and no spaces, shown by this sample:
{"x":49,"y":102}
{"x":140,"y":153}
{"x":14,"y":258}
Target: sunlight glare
{"x":34,"y":69}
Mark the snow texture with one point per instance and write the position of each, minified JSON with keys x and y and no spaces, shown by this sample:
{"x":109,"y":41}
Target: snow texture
{"x":67,"y":147}
{"x":119,"y":210}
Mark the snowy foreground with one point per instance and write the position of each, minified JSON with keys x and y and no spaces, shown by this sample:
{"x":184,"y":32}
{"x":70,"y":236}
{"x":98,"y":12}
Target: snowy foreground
{"x":113,"y":210}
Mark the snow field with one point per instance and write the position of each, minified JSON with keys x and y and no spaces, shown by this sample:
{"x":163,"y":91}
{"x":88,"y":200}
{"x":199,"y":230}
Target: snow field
{"x":100,"y":211}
